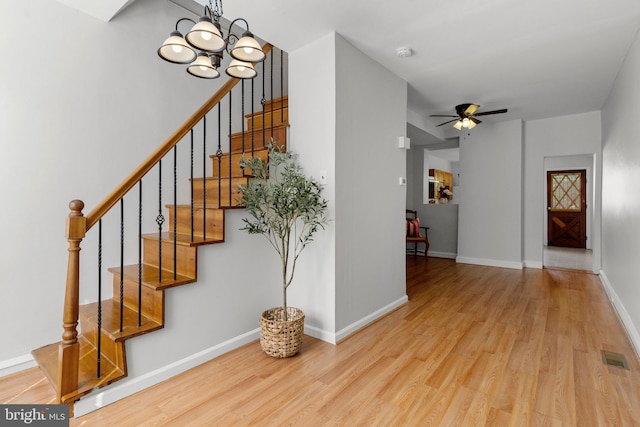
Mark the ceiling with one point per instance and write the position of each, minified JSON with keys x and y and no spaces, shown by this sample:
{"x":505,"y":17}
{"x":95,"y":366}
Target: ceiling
{"x":539,"y":59}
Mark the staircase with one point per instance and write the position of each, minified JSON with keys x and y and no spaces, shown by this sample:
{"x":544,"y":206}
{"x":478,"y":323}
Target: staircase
{"x":169,"y":259}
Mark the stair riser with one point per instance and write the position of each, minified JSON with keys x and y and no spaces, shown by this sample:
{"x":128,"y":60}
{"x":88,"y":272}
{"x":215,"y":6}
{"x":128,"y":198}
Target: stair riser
{"x":275,"y":103}
{"x":186,"y":260}
{"x":152,"y":300}
{"x":114,"y":351}
{"x":277,"y":117}
{"x":236,"y":170}
{"x":212,"y":191}
{"x":214,"y":221}
{"x":279,"y":136}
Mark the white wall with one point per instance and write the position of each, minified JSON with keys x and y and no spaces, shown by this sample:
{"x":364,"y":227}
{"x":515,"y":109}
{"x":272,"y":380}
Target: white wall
{"x":75,"y":129}
{"x":577,"y":134}
{"x":312,"y":114}
{"x":620,"y":201}
{"x":339,"y":125}
{"x":371,"y":115}
{"x":490,"y":209}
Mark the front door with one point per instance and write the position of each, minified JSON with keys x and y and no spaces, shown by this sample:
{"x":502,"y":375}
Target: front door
{"x":567,"y":208}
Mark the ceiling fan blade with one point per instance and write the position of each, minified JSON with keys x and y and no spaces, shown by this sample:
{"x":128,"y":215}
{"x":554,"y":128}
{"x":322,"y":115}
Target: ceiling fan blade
{"x":474,"y":120}
{"x":445,"y":123}
{"x":486,"y":113}
{"x":472,"y":108}
{"x":460,"y":109}
{"x":442,"y":115}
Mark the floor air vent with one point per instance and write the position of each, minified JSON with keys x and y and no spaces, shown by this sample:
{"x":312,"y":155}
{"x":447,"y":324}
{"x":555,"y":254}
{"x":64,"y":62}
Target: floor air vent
{"x":616,"y":360}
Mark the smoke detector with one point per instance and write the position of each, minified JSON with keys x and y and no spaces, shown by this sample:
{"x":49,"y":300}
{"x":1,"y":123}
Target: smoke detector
{"x":404,"y":52}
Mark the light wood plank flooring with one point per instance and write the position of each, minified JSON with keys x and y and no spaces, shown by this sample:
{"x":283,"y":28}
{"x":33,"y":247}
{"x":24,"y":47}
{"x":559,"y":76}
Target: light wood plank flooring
{"x":474,"y":346}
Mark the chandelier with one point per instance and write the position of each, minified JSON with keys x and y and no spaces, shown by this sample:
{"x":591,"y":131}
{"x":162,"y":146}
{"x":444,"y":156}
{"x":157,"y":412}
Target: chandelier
{"x":203,"y":47}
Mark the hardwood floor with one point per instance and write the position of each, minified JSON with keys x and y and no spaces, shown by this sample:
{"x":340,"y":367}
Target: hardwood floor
{"x":474,"y":346}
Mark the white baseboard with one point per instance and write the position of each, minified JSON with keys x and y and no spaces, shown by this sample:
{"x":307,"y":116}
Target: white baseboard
{"x":17,"y":364}
{"x":124,"y":388}
{"x":533,"y":264}
{"x":436,"y":254}
{"x":631,"y":329}
{"x":490,"y":262}
{"x":345,"y":332}
{"x":320,"y":334}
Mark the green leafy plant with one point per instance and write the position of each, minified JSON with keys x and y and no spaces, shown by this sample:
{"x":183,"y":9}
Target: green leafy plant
{"x":285,"y":206}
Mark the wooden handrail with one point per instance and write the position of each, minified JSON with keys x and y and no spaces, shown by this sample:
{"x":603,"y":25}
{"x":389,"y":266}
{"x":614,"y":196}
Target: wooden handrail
{"x":151,"y":161}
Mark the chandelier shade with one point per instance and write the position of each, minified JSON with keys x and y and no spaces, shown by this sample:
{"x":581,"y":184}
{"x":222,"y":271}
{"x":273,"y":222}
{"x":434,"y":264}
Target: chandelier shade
{"x":202,"y":67}
{"x":176,"y":50}
{"x":206,"y":36}
{"x":241,"y":70}
{"x":247,"y":49}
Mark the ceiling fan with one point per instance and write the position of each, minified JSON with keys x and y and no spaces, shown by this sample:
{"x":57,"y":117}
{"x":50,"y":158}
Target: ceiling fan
{"x":466,"y":117}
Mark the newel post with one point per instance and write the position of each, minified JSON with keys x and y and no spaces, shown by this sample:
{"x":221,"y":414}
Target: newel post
{"x":69,"y":350}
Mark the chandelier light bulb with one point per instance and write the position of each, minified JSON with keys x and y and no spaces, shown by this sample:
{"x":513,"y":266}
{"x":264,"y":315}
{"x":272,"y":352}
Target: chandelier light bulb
{"x":248,"y":50}
{"x":176,"y":48}
{"x":205,"y":35}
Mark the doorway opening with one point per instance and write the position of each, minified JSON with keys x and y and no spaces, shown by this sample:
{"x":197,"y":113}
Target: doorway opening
{"x":567,"y":209}
{"x":568,"y":212}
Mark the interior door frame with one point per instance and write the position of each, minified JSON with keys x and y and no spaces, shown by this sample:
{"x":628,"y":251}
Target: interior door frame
{"x":590,"y":195}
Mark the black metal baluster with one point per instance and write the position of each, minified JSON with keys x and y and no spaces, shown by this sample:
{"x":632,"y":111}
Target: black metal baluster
{"x":230,"y":165}
{"x":219,"y":154}
{"x":242,"y":108}
{"x":99,"y":337}
{"x":271,"y":91}
{"x":253,"y":118}
{"x":263,"y":102}
{"x":204,"y":179}
{"x":160,"y":221}
{"x":281,"y":86}
{"x":121,"y":262}
{"x":175,"y":211}
{"x":139,"y":253}
{"x":191,"y":132}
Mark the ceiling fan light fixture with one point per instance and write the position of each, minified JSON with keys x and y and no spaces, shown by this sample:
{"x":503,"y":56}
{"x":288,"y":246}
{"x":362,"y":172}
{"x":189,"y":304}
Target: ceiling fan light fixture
{"x":458,"y":124}
{"x":465,"y":122}
{"x":472,"y":124}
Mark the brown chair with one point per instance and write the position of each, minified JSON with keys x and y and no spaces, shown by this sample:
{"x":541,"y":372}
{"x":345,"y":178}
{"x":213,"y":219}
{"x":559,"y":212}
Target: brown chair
{"x":414,"y":235}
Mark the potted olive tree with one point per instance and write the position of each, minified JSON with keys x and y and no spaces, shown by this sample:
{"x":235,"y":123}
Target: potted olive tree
{"x":287,"y":208}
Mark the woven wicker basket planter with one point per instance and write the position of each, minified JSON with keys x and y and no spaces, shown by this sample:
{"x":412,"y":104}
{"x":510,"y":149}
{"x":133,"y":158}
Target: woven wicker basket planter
{"x":279,"y":338}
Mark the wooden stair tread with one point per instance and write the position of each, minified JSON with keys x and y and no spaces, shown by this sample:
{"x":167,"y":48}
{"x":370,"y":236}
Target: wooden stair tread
{"x":47,"y":359}
{"x":111,"y":320}
{"x":223,"y":179}
{"x":246,"y":151}
{"x":150,"y":276}
{"x":183,"y":239}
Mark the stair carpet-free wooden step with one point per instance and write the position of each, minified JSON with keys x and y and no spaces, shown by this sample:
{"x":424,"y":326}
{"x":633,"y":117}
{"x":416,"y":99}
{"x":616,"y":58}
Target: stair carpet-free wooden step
{"x":278,"y":133}
{"x":47,"y":359}
{"x":213,"y":185}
